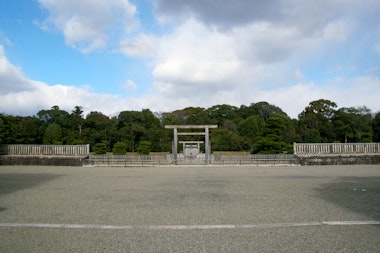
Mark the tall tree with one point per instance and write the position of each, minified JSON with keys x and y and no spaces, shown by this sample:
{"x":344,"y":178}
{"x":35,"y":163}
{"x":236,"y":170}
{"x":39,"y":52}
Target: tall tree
{"x":2,"y":129}
{"x":53,"y":134}
{"x":277,"y":136}
{"x":54,"y":115}
{"x":264,"y":110}
{"x":250,"y":128}
{"x":218,"y":114}
{"x":353,"y":124}
{"x":315,"y":121}
{"x":187,"y":116}
{"x":376,"y":127}
{"x":95,"y":129}
{"x":225,"y":140}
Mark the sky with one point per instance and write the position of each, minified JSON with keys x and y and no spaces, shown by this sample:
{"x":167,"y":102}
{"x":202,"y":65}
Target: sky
{"x":166,"y":55}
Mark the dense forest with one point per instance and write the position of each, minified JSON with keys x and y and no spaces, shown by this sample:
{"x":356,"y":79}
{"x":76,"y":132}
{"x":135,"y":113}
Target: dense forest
{"x":257,"y":128}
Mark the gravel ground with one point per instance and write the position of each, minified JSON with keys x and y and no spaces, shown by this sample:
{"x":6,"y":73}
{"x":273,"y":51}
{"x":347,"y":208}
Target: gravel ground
{"x":169,"y":196}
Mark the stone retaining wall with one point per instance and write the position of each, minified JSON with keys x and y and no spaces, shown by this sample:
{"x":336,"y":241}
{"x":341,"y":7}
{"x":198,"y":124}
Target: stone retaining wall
{"x":339,"y":159}
{"x":42,"y":160}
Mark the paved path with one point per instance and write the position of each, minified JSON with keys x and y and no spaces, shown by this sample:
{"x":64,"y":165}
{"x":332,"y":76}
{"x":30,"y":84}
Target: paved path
{"x":190,"y":209}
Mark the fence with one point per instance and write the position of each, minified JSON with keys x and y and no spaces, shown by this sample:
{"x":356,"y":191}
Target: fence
{"x":127,"y":160}
{"x":258,"y":159}
{"x":336,"y":148}
{"x":42,"y":150}
{"x":153,"y":160}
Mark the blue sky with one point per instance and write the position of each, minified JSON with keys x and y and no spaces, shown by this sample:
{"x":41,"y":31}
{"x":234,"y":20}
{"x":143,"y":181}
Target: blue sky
{"x":164,"y":55}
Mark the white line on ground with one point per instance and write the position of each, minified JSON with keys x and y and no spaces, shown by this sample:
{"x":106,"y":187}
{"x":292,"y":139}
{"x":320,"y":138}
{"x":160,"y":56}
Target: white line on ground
{"x":187,"y":227}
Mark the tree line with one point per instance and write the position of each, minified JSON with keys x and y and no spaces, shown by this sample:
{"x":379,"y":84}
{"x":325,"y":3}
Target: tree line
{"x":258,"y":128}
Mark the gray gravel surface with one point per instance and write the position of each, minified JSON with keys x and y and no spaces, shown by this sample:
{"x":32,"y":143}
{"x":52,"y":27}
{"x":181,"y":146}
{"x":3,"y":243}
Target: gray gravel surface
{"x":157,"y":196}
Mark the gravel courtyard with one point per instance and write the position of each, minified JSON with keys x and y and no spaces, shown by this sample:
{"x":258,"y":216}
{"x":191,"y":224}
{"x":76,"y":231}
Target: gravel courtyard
{"x":190,"y":209}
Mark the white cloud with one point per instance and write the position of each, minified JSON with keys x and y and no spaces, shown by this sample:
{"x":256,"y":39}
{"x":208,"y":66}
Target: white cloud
{"x":88,"y":25}
{"x":130,"y":86}
{"x":35,"y":96}
{"x":195,"y":56}
{"x":11,"y":78}
{"x":338,"y":30}
{"x":141,"y":46}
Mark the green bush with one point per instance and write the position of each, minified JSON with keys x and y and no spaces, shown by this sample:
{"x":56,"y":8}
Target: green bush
{"x":120,"y":148}
{"x":100,"y":148}
{"x":144,"y":147}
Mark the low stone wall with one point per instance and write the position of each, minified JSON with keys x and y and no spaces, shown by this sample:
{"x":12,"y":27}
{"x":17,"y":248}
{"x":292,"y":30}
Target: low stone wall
{"x":339,"y":159}
{"x":42,"y":160}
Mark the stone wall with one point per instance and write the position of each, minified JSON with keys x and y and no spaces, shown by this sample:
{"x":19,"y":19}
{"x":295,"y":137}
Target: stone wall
{"x":42,"y":160}
{"x":339,"y":159}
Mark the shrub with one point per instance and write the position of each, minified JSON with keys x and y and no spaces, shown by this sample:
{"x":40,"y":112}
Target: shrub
{"x":100,"y":148}
{"x":144,"y":147}
{"x":120,"y":148}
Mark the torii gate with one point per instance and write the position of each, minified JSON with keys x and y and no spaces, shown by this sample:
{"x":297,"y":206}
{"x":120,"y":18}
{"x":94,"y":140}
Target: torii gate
{"x":205,"y":133}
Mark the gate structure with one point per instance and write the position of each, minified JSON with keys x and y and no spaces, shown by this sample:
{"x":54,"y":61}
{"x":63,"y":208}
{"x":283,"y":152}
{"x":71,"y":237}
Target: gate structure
{"x":189,"y":145}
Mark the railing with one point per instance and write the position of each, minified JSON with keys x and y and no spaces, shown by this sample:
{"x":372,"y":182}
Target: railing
{"x":127,"y":160}
{"x":336,"y":148}
{"x":257,"y":159}
{"x":153,"y":160}
{"x":40,"y":150}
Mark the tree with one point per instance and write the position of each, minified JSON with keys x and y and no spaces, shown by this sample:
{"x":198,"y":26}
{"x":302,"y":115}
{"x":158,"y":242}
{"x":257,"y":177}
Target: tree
{"x":53,"y":134}
{"x":76,"y":120}
{"x":100,"y":148}
{"x":2,"y":129}
{"x":137,"y":126}
{"x":218,"y":114}
{"x":315,"y":121}
{"x":264,"y":110}
{"x":144,"y":147}
{"x":96,"y":128}
{"x":376,"y":127}
{"x":119,"y":148}
{"x":54,"y":115}
{"x":277,"y":136}
{"x":250,"y":128}
{"x":225,"y":140}
{"x":187,"y":116}
{"x":353,"y":124}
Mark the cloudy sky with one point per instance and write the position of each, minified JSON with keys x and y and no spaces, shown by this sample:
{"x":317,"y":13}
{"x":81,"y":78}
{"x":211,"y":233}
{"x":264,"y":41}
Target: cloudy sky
{"x":163,"y":55}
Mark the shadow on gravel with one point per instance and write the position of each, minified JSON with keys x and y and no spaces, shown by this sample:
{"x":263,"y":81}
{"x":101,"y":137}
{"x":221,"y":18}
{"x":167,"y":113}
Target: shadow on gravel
{"x":358,"y":194}
{"x":11,"y":182}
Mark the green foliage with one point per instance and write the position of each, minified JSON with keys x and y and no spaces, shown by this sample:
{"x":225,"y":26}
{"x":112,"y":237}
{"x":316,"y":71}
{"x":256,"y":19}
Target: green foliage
{"x":277,"y":136}
{"x":53,"y":134}
{"x":376,"y":127}
{"x":259,"y":127}
{"x":225,"y":140}
{"x":316,"y":121}
{"x":54,"y":115}
{"x":268,"y":145}
{"x":2,"y":129}
{"x":119,"y":148}
{"x":187,"y":116}
{"x":262,"y":110}
{"x":353,"y":125}
{"x":100,"y":148}
{"x":144,"y":147}
{"x":218,"y":114}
